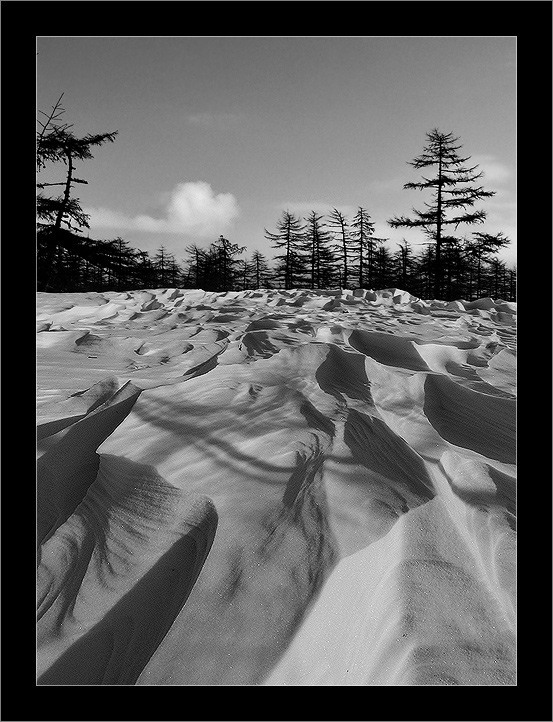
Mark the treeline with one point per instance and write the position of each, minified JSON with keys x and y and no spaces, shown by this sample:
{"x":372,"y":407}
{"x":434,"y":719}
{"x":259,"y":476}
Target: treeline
{"x":334,"y":251}
{"x":84,"y":264}
{"x":314,"y":252}
{"x":471,"y":269}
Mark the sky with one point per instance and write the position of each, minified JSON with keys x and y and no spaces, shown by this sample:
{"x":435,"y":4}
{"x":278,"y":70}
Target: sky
{"x":220,"y":135}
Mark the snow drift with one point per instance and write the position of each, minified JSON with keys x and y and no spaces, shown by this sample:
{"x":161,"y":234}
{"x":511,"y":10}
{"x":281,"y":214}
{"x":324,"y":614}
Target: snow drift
{"x":275,"y":488}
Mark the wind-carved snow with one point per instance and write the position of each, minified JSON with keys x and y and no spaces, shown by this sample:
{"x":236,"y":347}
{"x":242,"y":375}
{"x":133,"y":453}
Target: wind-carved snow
{"x":275,"y":488}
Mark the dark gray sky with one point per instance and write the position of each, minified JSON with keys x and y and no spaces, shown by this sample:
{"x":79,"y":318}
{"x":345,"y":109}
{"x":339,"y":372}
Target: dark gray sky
{"x":220,"y":134}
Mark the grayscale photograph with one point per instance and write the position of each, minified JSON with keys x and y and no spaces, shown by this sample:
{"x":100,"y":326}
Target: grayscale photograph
{"x":276,"y":306}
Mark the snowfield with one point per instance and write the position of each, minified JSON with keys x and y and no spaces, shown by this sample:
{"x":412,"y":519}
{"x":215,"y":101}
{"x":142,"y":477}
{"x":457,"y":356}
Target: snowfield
{"x":275,"y":488}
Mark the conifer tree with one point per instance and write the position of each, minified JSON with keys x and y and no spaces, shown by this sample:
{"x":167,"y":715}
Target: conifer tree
{"x":225,"y":263}
{"x":512,"y":280}
{"x":196,"y":264}
{"x":145,"y":270}
{"x":164,"y":265}
{"x":55,"y":143}
{"x":362,"y":230}
{"x":404,"y":264}
{"x":317,"y":238}
{"x":453,"y":196}
{"x":425,"y":271}
{"x":498,"y":276}
{"x":260,"y":270}
{"x":362,"y":236}
{"x":125,"y":260}
{"x":339,"y":221}
{"x":383,"y":267}
{"x":330,"y":275}
{"x":480,"y":249}
{"x":289,"y":238}
{"x":48,"y":149}
{"x":243,"y":274}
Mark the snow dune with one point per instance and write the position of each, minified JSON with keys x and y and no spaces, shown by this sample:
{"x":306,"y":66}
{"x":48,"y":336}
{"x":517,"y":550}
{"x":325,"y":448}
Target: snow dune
{"x":275,"y":488}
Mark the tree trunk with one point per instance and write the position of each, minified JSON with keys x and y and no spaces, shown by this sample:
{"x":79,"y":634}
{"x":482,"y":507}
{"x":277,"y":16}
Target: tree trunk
{"x":53,"y":242}
{"x":313,"y":260}
{"x":437,"y":263}
{"x":345,"y":258}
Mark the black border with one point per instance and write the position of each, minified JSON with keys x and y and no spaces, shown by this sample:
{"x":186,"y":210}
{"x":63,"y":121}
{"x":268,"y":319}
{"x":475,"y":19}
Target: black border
{"x":531,"y":23}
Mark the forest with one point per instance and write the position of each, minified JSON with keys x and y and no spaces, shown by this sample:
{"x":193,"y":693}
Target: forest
{"x":313,"y":252}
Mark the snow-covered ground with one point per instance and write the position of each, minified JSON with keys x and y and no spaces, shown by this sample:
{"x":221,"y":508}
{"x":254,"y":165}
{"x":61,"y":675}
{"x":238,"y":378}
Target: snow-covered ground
{"x":275,"y":488}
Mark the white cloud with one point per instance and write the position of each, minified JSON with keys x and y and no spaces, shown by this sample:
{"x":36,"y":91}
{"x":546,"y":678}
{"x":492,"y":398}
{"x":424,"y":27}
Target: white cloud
{"x":192,"y":209}
{"x":495,"y":172}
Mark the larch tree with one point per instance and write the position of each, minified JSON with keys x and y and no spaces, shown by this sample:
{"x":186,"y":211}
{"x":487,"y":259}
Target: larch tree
{"x":56,"y":142}
{"x":225,"y":263}
{"x":329,"y":273}
{"x":480,"y":249}
{"x":338,"y":220}
{"x":425,"y":271}
{"x":164,"y":263}
{"x":362,"y":228}
{"x":405,"y":263}
{"x":50,"y":129}
{"x":512,"y":291}
{"x":383,"y":267}
{"x":454,"y":195}
{"x":367,"y":245}
{"x":498,"y":276}
{"x":260,"y":270}
{"x":244,"y":273}
{"x":317,"y":239}
{"x":196,"y":264}
{"x":289,"y":239}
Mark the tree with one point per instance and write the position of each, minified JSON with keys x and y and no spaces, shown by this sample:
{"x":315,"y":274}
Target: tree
{"x":338,"y":220}
{"x":196,"y":264}
{"x":453,"y":269}
{"x":424,"y":270}
{"x":499,"y":276}
{"x":383,"y":267}
{"x":175,"y":272}
{"x":47,"y":145}
{"x":362,"y":234}
{"x":125,"y":261}
{"x":317,"y":238}
{"x":55,"y":143}
{"x":405,"y":264}
{"x":362,"y":230}
{"x":480,"y":249}
{"x":164,"y":265}
{"x":289,"y":238}
{"x":145,"y":270}
{"x":243,"y":273}
{"x":330,"y":275}
{"x":260,"y":270}
{"x":513,"y":283}
{"x":452,"y":189}
{"x":225,"y":263}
